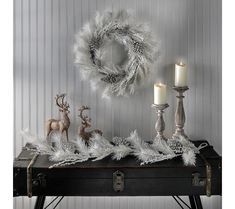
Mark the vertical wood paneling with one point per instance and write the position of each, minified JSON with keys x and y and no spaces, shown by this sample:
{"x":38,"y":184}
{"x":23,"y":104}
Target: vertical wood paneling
{"x":25,"y":66}
{"x":49,"y":98}
{"x":77,"y":84}
{"x":17,"y":83}
{"x":93,"y":94}
{"x":43,"y":66}
{"x":55,"y":53}
{"x":18,"y":76}
{"x":15,"y":13}
{"x":71,"y":72}
{"x":191,"y":63}
{"x":32,"y":66}
{"x":218,"y":143}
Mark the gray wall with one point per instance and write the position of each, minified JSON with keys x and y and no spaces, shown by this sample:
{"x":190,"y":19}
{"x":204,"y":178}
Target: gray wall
{"x":43,"y":66}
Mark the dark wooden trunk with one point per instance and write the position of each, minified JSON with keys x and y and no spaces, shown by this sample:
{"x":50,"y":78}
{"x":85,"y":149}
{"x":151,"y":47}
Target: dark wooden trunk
{"x":89,"y":178}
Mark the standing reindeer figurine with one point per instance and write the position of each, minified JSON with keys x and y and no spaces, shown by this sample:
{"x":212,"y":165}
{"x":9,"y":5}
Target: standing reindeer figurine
{"x":63,"y":124}
{"x":86,"y":123}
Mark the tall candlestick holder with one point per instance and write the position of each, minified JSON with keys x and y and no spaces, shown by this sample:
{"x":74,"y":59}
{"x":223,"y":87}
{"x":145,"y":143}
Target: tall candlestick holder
{"x":160,"y":141}
{"x":180,"y":114}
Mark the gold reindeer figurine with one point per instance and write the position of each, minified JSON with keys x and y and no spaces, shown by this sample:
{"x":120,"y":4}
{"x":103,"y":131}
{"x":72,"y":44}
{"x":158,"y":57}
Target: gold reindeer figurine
{"x":63,"y":124}
{"x":86,"y":123}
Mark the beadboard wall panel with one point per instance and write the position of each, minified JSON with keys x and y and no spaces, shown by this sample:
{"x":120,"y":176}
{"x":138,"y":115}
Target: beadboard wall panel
{"x":43,"y":66}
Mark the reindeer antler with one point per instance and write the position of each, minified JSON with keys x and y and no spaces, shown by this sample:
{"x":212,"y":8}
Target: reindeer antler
{"x":85,"y":118}
{"x":63,"y":105}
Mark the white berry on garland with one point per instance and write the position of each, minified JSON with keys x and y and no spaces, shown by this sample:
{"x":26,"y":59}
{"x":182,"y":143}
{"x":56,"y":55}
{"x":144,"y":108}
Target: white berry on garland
{"x":135,"y":37}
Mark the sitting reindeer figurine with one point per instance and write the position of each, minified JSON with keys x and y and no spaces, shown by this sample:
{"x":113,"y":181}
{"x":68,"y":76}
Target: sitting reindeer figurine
{"x":86,"y":123}
{"x":63,"y":124}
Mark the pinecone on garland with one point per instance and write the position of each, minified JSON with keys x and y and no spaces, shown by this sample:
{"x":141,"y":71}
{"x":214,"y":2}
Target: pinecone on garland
{"x":70,"y":146}
{"x":120,"y":141}
{"x":176,"y":146}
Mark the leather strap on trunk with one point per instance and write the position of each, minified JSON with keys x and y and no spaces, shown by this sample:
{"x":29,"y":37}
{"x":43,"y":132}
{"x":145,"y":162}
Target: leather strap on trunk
{"x":208,"y":175}
{"x":29,"y":175}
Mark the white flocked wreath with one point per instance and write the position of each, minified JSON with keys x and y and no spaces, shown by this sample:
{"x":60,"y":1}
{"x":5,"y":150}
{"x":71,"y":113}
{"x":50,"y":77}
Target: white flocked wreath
{"x":135,"y":37}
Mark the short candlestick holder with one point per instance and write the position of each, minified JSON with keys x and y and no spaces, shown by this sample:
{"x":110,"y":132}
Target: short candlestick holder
{"x":180,"y":114}
{"x":160,"y":141}
{"x":160,"y":124}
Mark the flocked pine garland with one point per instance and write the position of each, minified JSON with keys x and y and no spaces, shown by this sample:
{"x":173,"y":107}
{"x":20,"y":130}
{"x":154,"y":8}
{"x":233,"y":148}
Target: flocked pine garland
{"x":136,"y":39}
{"x":68,"y":153}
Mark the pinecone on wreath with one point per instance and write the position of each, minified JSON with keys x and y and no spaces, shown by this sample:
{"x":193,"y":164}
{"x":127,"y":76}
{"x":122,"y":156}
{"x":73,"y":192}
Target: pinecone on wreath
{"x":112,"y":78}
{"x":123,"y":31}
{"x":94,"y":43}
{"x":138,"y":47}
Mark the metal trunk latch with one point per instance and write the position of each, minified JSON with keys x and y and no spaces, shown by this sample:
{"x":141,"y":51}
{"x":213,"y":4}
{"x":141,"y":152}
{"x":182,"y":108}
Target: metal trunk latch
{"x":118,"y":181}
{"x":197,"y":181}
{"x":40,"y":181}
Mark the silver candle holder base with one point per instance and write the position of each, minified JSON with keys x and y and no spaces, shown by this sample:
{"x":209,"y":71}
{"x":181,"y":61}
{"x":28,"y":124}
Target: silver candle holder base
{"x":160,"y":141}
{"x":180,"y":114}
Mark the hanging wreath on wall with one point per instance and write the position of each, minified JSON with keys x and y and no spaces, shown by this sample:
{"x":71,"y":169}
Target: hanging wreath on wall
{"x":120,"y":28}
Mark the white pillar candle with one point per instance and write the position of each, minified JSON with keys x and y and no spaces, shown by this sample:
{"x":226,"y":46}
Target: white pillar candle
{"x":180,"y":74}
{"x":159,"y":93}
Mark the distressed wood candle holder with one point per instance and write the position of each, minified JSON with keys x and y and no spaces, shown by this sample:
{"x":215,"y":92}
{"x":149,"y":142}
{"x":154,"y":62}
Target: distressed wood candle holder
{"x":180,"y":114}
{"x":160,"y":124}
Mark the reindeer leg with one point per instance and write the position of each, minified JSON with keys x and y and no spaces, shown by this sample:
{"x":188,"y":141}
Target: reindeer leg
{"x":67,"y":136}
{"x":47,"y":135}
{"x":61,"y":134}
{"x":48,"y":130}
